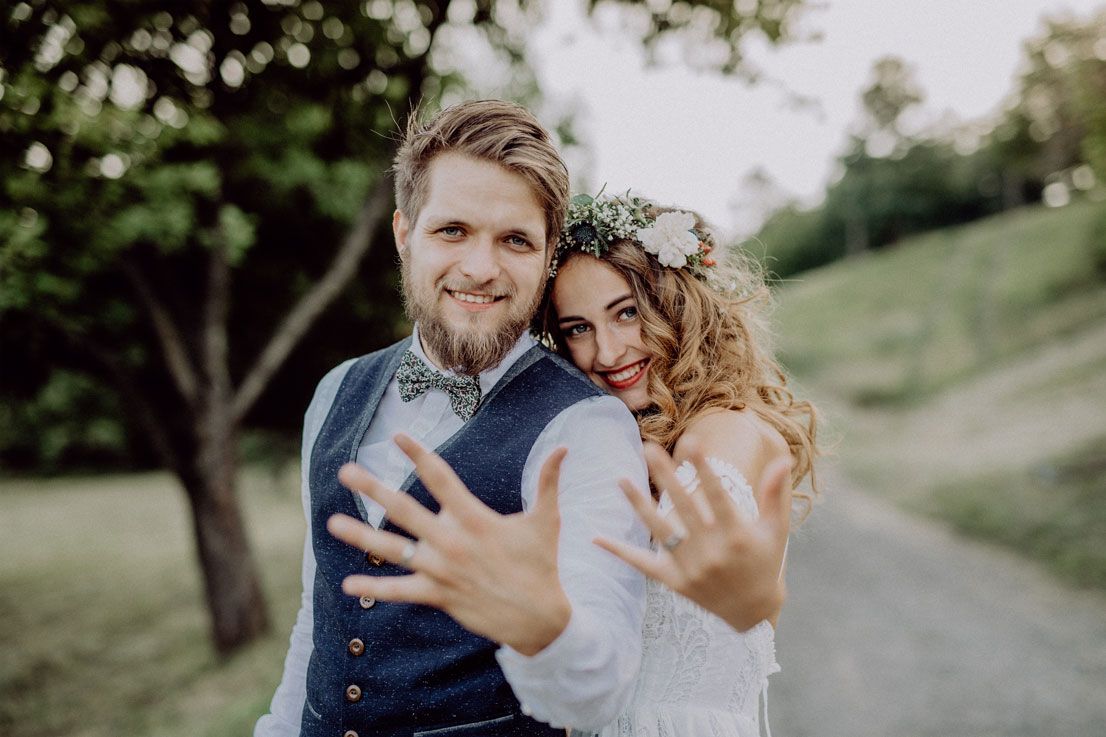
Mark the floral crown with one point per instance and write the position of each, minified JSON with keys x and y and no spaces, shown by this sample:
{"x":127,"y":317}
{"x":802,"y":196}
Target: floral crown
{"x":594,"y":223}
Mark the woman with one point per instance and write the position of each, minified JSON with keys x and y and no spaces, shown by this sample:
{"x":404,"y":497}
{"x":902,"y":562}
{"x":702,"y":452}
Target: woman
{"x":644,"y":305}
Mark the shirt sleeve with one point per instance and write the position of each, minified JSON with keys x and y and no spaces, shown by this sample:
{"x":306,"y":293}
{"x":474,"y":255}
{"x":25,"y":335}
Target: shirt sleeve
{"x":286,"y":709}
{"x":585,"y":677}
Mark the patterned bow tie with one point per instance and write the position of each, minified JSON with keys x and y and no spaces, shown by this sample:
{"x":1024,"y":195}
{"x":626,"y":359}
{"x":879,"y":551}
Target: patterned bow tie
{"x":416,"y":378}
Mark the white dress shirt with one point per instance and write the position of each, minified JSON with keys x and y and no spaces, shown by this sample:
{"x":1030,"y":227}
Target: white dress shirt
{"x":585,"y":676}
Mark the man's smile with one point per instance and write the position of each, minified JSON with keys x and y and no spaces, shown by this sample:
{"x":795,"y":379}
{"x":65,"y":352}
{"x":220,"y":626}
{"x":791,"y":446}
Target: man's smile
{"x":475,"y":300}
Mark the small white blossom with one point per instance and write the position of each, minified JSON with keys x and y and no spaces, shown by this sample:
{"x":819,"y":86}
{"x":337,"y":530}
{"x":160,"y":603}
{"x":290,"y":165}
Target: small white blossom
{"x":670,"y":239}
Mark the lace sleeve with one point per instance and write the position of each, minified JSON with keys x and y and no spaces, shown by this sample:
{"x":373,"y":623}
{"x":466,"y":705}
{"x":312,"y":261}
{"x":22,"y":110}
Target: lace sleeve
{"x":732,"y":481}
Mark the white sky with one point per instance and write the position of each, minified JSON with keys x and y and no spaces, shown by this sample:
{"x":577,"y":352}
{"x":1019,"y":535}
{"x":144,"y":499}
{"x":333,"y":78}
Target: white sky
{"x":689,"y":137}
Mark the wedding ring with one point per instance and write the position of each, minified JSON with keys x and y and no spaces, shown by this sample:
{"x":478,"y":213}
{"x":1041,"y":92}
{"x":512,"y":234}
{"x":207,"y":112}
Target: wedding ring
{"x":673,"y":541}
{"x":407,"y":555}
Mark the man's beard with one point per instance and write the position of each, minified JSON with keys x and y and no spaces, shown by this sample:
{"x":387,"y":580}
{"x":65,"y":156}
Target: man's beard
{"x":466,"y":351}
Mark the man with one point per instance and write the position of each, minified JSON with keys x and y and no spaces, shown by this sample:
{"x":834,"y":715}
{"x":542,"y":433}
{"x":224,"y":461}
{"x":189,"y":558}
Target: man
{"x":481,"y":193}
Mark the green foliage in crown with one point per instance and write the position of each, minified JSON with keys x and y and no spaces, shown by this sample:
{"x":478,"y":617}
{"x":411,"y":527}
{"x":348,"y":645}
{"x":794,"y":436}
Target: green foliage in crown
{"x":594,"y":223}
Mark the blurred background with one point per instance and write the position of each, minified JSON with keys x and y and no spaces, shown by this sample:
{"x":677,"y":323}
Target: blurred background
{"x":194,"y":220}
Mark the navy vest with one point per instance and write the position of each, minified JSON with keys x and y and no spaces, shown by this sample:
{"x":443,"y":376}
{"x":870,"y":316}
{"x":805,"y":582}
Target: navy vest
{"x":403,"y":670}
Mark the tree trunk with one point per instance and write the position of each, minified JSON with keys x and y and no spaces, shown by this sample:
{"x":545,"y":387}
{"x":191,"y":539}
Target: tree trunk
{"x":1013,"y":195}
{"x":231,"y":581}
{"x":856,"y":233}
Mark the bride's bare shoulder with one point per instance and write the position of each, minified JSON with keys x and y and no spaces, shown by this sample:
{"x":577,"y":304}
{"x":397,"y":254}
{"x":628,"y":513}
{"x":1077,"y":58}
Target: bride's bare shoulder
{"x":738,"y":437}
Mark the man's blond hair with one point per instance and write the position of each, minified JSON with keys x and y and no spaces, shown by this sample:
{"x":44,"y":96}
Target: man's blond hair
{"x":491,"y":130}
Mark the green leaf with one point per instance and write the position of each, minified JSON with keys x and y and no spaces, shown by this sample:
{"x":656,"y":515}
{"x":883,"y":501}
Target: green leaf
{"x":239,"y":232}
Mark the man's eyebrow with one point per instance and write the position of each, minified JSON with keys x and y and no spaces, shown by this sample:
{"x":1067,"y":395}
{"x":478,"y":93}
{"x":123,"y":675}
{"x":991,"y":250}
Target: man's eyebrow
{"x":442,"y":221}
{"x":528,"y":235}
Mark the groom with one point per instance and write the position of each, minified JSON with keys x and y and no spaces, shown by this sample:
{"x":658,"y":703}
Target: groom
{"x":481,"y":193}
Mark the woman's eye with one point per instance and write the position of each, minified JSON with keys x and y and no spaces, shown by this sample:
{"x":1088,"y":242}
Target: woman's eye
{"x":518,"y":241}
{"x":627,"y":313}
{"x":578,"y":329}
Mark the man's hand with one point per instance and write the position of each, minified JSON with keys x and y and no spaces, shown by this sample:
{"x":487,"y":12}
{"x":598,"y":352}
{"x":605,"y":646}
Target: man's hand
{"x":709,"y":551}
{"x":495,"y":574}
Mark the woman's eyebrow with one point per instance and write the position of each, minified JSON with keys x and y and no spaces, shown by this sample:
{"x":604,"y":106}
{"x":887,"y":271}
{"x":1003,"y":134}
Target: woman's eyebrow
{"x":574,"y":318}
{"x":623,"y":298}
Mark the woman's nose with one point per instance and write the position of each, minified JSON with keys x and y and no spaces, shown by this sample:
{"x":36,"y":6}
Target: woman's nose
{"x":610,"y":347}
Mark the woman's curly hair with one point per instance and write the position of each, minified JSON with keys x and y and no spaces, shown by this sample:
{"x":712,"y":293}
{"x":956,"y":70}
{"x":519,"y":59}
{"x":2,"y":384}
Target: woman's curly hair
{"x":711,"y":348}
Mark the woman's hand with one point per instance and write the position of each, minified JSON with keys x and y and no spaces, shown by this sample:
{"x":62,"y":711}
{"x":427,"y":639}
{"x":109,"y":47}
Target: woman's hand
{"x":710,"y":551}
{"x":495,"y":574}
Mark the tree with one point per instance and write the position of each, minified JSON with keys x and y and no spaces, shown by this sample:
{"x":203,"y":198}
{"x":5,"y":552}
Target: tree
{"x":1051,"y":136}
{"x":188,"y":191}
{"x":892,"y":91}
{"x":1055,"y":120}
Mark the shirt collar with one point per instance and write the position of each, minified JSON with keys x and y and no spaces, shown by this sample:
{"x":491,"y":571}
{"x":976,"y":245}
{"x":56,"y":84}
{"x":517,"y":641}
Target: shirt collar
{"x":490,"y":377}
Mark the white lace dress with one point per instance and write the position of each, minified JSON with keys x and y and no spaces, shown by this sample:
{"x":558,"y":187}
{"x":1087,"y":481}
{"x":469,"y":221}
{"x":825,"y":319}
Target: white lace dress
{"x":699,"y":677}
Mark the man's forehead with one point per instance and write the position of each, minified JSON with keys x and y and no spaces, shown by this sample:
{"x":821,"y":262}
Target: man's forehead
{"x":480,"y":192}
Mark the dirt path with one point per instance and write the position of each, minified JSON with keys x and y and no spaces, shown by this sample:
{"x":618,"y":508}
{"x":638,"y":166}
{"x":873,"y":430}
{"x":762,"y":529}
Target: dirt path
{"x":897,"y":627}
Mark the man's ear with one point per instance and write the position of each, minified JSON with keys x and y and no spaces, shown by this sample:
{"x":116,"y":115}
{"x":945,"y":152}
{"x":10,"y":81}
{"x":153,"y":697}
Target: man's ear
{"x":401,"y":228}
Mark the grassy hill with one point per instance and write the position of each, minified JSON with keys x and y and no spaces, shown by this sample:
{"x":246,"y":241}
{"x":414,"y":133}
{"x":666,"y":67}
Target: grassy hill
{"x":963,"y":374}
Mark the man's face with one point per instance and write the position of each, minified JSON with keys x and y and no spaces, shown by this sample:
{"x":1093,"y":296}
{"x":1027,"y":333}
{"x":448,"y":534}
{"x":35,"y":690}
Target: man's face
{"x":474,"y":261}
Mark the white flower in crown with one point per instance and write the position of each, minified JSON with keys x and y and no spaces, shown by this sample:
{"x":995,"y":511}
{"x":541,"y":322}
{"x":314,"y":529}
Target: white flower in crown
{"x":670,"y":239}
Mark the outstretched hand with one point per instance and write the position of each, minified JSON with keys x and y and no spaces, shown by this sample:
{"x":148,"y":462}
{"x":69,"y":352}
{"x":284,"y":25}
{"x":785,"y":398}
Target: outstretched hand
{"x":495,"y":574}
{"x":709,"y":550}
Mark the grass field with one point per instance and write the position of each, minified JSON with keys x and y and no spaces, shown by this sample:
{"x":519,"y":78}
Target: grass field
{"x":101,"y":612}
{"x":960,"y":370}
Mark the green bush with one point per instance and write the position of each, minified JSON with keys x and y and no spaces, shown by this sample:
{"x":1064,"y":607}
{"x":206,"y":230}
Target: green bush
{"x":1096,"y":244}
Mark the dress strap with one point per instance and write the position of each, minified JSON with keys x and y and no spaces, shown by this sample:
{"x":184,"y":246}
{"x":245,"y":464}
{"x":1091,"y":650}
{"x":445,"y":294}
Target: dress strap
{"x":783,"y":563}
{"x":764,"y":704}
{"x":773,"y":667}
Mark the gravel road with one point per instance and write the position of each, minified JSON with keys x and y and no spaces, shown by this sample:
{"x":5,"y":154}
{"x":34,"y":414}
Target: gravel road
{"x":896,"y":627}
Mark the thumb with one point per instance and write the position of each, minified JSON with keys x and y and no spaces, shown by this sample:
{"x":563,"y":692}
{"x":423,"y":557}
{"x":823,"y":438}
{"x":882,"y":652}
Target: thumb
{"x":774,"y":496}
{"x":545,"y":509}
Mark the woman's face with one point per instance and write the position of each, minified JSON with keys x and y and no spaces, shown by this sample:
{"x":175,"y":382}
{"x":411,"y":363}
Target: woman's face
{"x":598,"y":317}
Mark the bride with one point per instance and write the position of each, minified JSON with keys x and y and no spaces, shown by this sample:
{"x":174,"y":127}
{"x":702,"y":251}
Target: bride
{"x":644,"y":305}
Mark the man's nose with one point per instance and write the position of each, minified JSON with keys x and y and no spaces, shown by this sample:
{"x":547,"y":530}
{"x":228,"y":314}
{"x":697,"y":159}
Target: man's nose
{"x":480,"y":262}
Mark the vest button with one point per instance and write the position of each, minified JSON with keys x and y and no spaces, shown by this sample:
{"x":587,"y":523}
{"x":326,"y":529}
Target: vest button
{"x":367,"y":602}
{"x":356,"y":646}
{"x":350,"y":733}
{"x":353,"y":693}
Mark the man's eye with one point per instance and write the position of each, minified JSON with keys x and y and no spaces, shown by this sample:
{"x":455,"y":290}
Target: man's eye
{"x":451,"y":231}
{"x":628,"y":313}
